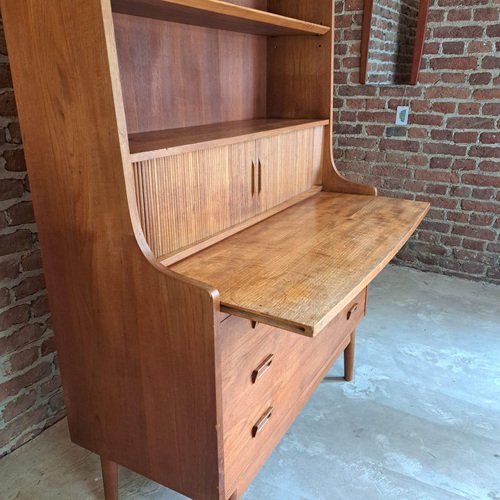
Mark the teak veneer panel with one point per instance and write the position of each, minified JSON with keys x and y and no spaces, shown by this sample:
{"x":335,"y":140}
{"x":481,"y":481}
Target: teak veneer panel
{"x":240,"y":181}
{"x":139,"y":372}
{"x":219,"y":15}
{"x":175,"y":76}
{"x":299,"y":268}
{"x":160,"y":143}
{"x":297,"y":366}
{"x":177,"y":255}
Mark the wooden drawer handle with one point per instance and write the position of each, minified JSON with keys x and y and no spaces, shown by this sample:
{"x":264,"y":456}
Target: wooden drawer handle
{"x":352,"y":310}
{"x":262,"y":368}
{"x":263,"y":421}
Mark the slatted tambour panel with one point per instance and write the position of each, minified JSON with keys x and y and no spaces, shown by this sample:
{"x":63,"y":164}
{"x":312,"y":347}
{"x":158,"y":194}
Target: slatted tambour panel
{"x":184,"y":198}
{"x":187,"y":198}
{"x":287,"y":163}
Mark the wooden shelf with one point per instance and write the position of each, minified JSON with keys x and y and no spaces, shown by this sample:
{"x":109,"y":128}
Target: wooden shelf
{"x":219,"y":15}
{"x":298,"y":269}
{"x":157,"y":144}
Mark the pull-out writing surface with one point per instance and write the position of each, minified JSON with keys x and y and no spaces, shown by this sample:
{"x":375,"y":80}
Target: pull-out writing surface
{"x":299,"y":268}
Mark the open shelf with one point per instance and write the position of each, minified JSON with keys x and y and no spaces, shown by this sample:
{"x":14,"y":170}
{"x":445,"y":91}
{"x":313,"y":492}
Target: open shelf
{"x":156,"y":144}
{"x":298,"y":269}
{"x":219,"y":15}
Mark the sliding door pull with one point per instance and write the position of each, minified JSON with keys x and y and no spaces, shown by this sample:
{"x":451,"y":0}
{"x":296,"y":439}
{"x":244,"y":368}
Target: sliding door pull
{"x":253,"y":179}
{"x":260,"y":176}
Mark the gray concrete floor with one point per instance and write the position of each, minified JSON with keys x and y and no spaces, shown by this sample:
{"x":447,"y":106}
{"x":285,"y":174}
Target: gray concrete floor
{"x":420,"y":421}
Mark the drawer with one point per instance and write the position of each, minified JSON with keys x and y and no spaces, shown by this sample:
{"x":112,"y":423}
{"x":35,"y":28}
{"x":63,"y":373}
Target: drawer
{"x":253,"y":362}
{"x":268,"y":374}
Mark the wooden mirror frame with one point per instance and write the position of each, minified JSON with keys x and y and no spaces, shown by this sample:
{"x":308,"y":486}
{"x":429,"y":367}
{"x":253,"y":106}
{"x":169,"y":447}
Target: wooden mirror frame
{"x":423,"y":13}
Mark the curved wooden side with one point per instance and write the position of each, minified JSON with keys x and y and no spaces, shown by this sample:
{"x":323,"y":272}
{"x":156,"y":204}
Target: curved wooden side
{"x":137,"y":343}
{"x":335,"y":182}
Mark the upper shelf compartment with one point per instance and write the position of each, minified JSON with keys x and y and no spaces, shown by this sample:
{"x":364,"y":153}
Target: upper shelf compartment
{"x":219,"y":15}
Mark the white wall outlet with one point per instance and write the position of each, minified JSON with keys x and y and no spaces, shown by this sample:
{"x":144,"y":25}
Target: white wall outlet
{"x":402,"y":115}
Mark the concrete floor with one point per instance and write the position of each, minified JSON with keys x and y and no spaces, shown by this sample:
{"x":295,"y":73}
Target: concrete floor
{"x":420,"y":421}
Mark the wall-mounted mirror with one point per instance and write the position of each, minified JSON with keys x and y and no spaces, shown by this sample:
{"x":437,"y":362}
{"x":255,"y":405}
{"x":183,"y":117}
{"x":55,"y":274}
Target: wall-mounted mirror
{"x":392,"y":41}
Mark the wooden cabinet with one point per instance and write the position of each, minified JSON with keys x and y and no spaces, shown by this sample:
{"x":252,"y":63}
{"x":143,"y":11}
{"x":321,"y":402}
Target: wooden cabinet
{"x":206,"y":262}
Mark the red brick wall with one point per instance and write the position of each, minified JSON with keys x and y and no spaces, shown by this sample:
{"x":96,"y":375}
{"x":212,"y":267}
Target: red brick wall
{"x":449,"y":154}
{"x":30,"y":393}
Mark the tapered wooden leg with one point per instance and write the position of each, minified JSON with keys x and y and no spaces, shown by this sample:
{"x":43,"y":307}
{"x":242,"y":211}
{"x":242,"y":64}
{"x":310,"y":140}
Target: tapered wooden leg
{"x":349,"y":358}
{"x":110,"y":479}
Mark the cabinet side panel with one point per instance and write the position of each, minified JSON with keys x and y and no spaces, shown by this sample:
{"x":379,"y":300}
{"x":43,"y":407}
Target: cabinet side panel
{"x":136,"y":343}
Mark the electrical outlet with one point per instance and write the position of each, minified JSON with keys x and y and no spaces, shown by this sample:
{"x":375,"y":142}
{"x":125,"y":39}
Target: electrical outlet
{"x":402,"y":115}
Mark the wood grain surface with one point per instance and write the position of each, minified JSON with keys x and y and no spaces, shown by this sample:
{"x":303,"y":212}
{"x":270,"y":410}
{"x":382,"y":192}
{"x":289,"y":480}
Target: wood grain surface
{"x":219,"y":15}
{"x":176,"y":75}
{"x":136,"y":343}
{"x":142,"y":346}
{"x":160,"y":143}
{"x":180,"y":254}
{"x":298,"y":365}
{"x":240,"y":181}
{"x":299,"y":268}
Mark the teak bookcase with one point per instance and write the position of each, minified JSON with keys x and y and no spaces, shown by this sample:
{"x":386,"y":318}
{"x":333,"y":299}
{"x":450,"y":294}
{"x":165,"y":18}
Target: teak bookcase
{"x":205,"y":261}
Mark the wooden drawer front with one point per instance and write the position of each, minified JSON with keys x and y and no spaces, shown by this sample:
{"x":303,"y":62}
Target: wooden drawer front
{"x":245,"y":351}
{"x":298,"y":365}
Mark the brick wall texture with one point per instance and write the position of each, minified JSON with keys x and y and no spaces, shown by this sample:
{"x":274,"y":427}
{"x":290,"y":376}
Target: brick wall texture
{"x":449,"y":154}
{"x":392,"y":38}
{"x":30,"y":387}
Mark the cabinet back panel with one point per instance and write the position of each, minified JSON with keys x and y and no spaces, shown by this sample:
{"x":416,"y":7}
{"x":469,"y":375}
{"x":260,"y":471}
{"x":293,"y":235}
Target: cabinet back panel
{"x":300,"y":68}
{"x":175,"y":75}
{"x":253,"y":4}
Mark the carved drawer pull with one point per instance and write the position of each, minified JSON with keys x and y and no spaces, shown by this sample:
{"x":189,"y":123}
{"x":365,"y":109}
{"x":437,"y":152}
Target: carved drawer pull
{"x":262,"y":368}
{"x":352,"y":310}
{"x":263,"y":421}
